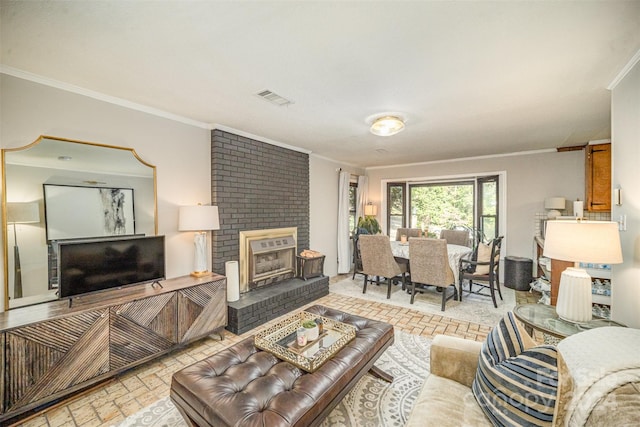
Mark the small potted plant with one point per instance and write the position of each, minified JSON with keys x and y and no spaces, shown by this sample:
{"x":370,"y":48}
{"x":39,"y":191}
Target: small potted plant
{"x":370,"y":224}
{"x":311,"y":329}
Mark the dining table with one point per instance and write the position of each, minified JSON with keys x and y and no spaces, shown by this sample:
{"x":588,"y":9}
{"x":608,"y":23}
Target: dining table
{"x":454,"y":253}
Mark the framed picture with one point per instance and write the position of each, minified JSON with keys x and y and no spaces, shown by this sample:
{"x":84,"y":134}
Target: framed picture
{"x":74,"y":212}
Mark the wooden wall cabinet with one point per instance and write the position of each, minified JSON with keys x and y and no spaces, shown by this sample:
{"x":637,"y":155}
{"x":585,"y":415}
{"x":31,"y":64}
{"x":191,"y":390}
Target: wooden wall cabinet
{"x":52,"y":350}
{"x":598,"y":178}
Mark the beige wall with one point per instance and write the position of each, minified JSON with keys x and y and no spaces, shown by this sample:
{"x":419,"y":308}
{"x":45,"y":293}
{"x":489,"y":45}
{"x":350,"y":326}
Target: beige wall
{"x":625,"y":116}
{"x":179,"y":151}
{"x":181,"y":154}
{"x":324,"y":177}
{"x":529,"y":179}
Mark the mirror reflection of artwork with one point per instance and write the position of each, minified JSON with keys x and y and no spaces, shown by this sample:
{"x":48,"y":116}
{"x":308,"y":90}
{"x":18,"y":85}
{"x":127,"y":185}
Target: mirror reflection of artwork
{"x":74,"y":212}
{"x":62,"y":162}
{"x":113,"y":203}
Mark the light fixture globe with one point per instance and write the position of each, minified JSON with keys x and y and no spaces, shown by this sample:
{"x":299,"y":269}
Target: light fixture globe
{"x":386,"y":124}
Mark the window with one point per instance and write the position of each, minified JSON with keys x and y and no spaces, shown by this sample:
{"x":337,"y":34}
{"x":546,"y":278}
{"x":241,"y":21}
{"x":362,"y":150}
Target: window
{"x":487,"y":219}
{"x":353,"y":197}
{"x":467,"y":204}
{"x":396,"y":201}
{"x":441,"y":206}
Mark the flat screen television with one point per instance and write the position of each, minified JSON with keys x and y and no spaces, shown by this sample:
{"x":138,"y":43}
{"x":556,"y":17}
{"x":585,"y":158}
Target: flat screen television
{"x":95,"y":265}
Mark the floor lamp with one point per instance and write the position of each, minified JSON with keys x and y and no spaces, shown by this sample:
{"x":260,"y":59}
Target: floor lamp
{"x":580,"y":241}
{"x":200,"y":219}
{"x":20,"y":213}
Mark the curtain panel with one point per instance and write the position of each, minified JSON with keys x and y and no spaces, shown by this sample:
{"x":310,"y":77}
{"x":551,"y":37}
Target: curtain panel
{"x":344,"y":242}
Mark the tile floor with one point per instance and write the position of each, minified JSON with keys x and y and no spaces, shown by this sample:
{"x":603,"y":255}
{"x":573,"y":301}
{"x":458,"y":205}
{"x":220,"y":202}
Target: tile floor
{"x":112,"y":402}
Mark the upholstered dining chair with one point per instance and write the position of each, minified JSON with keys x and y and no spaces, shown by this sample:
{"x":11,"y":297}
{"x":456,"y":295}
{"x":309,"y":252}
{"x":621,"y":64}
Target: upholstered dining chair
{"x":409,"y":232}
{"x":429,"y":265}
{"x":483,"y":266}
{"x":456,"y":237}
{"x":378,"y":261}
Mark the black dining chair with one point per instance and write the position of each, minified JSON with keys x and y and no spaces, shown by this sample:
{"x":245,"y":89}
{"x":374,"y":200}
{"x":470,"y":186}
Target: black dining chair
{"x":483,"y":266}
{"x":357,"y":258}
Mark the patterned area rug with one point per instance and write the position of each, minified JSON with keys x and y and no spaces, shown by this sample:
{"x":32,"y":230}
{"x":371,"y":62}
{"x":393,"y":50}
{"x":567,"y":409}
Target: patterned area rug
{"x":371,"y":403}
{"x":473,"y":308}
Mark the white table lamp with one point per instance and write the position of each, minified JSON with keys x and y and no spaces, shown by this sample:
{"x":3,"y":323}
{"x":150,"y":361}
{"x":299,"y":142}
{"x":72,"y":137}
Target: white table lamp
{"x":580,"y":241}
{"x":554,"y":205}
{"x":200,"y":219}
{"x":370,"y":209}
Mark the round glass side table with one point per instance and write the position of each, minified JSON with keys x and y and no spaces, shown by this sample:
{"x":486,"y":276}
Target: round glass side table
{"x":545,"y":319}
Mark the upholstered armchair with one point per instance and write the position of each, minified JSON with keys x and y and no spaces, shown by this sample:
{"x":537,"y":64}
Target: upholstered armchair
{"x":377,"y":260}
{"x":511,"y":380}
{"x":429,"y":265}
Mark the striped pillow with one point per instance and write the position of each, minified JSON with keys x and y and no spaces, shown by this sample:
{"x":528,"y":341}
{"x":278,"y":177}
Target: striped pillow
{"x":514,"y":386}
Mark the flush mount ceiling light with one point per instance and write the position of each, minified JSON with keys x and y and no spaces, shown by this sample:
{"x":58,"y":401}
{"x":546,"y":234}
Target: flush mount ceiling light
{"x":386,"y":124}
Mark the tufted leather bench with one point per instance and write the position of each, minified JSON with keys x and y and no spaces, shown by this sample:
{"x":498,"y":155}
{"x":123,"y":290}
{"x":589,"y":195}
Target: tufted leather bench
{"x":245,"y":386}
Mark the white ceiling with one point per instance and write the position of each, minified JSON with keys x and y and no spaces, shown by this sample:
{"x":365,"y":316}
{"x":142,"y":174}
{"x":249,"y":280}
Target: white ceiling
{"x":473,"y":78}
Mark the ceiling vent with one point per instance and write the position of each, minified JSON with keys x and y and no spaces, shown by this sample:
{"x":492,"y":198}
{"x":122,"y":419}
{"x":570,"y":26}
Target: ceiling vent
{"x":273,"y":98}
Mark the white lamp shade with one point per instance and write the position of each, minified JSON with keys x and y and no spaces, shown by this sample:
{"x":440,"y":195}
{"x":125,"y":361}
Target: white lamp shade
{"x":583,"y":241}
{"x":370,"y":210}
{"x":554,"y":203}
{"x":198,"y":218}
{"x":22,"y":213}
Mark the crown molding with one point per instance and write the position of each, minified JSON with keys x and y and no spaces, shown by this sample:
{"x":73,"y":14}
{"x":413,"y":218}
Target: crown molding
{"x":224,"y":128}
{"x":463,"y":159}
{"x":25,"y":75}
{"x":329,"y":159}
{"x":625,"y":70}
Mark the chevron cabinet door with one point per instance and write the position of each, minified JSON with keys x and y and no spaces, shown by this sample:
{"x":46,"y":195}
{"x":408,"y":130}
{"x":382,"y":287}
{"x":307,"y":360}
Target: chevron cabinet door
{"x":142,"y":329}
{"x":54,"y":349}
{"x":201,"y":310}
{"x":45,"y":361}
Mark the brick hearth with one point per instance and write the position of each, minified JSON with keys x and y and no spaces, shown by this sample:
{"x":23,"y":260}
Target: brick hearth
{"x":257,"y":307}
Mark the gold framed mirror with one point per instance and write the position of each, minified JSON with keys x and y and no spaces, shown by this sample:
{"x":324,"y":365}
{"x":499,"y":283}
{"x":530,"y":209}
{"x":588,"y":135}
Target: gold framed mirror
{"x":86,"y":177}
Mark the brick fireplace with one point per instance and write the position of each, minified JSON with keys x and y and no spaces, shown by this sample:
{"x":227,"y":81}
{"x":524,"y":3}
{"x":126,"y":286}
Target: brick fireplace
{"x":267,"y":257}
{"x":256,"y":186}
{"x":260,"y":186}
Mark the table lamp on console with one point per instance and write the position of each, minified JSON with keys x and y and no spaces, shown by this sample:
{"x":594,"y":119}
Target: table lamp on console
{"x":200,"y":219}
{"x":554,"y":205}
{"x":370,"y":209}
{"x":586,"y":242}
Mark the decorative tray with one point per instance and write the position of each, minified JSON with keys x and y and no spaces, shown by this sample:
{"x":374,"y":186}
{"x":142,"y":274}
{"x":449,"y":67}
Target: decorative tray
{"x":280,"y":340}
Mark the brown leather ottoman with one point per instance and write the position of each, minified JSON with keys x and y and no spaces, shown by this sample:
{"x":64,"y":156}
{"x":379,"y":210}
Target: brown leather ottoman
{"x":245,"y":386}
